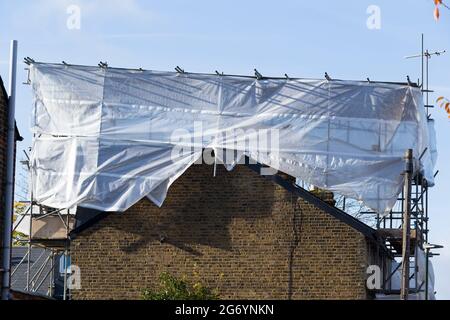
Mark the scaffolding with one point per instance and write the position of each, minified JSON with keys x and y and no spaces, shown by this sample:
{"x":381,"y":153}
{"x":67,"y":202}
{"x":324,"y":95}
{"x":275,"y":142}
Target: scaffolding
{"x":50,"y":228}
{"x":391,"y":227}
{"x":48,"y":233}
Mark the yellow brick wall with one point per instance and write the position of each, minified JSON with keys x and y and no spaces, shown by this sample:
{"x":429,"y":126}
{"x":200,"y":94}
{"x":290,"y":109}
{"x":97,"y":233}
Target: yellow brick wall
{"x":3,"y":143}
{"x":267,"y":244}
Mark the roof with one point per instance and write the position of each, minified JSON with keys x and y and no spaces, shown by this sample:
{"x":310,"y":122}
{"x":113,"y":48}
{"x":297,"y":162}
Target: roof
{"x":3,"y":89}
{"x":39,"y":257}
{"x":23,"y":295}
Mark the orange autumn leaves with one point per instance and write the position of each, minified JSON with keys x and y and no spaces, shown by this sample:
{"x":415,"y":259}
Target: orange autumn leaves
{"x":437,"y":3}
{"x":444,"y":103}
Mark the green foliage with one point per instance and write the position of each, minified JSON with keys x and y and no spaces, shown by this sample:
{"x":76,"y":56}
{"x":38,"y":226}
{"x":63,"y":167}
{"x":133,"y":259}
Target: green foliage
{"x":172,"y":288}
{"x":18,"y":237}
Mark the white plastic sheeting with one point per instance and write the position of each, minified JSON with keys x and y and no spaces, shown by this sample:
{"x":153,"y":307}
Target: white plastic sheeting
{"x":417,"y":281}
{"x":421,"y":257}
{"x":105,"y":137}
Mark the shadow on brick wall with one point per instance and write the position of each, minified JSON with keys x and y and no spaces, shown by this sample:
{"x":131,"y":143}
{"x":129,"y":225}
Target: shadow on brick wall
{"x":197,"y":212}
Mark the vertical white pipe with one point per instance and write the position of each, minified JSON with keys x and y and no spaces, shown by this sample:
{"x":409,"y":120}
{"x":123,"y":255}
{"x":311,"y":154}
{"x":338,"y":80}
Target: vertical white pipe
{"x":9,"y":192}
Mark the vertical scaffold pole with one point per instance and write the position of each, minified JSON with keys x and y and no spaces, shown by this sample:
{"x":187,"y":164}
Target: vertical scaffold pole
{"x":406,"y":225}
{"x":65,"y":274}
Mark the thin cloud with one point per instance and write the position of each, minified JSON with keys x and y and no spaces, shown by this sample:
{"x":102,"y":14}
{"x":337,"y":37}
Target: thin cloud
{"x":101,"y":10}
{"x":139,"y":35}
{"x":155,"y":35}
{"x":110,"y":9}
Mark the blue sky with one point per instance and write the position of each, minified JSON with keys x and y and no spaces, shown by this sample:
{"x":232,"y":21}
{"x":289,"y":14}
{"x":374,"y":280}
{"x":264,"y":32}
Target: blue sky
{"x":301,"y":38}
